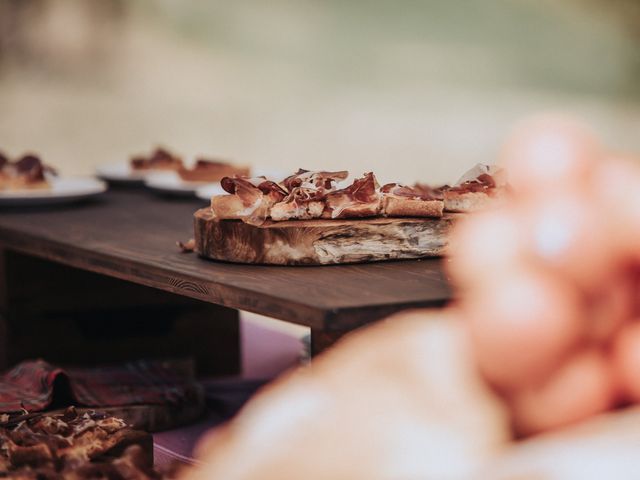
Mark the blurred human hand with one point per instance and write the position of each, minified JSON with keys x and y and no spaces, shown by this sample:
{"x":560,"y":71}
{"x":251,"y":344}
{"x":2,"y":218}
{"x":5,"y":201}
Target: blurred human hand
{"x":548,"y":280}
{"x":400,"y":399}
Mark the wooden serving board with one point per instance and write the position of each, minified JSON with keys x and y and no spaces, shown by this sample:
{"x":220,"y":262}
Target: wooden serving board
{"x":321,"y":242}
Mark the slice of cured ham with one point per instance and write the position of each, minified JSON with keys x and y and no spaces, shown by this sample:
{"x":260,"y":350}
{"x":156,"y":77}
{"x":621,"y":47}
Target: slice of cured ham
{"x":250,"y":199}
{"x":417,"y":201}
{"x":360,"y":199}
{"x":307,"y":193}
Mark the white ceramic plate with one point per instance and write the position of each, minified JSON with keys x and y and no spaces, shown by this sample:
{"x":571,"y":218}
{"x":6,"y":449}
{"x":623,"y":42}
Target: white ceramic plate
{"x":62,"y":190}
{"x":120,"y":173}
{"x":170,"y":183}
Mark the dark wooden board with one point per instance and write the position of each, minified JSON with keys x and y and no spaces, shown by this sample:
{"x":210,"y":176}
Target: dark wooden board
{"x":321,"y":242}
{"x":131,"y":235}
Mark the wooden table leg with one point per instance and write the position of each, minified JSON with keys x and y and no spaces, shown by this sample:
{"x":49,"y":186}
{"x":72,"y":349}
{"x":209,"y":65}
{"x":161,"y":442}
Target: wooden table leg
{"x":321,"y":341}
{"x":3,"y":310}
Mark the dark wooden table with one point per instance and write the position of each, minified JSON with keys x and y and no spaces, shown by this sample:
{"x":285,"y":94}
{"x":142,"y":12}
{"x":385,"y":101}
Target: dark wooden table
{"x":132,"y":234}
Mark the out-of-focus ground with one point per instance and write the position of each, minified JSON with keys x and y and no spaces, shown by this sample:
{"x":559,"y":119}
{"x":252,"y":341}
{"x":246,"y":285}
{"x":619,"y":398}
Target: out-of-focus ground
{"x":410,"y":89}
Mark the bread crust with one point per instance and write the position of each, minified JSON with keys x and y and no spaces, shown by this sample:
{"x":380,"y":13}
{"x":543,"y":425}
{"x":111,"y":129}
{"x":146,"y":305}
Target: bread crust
{"x":352,"y":209}
{"x":466,"y":202}
{"x":394,"y":206}
{"x":363,"y":210}
{"x":228,"y":207}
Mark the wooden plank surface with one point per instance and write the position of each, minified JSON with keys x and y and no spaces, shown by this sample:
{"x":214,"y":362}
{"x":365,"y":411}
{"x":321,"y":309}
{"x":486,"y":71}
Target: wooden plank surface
{"x":131,"y":234}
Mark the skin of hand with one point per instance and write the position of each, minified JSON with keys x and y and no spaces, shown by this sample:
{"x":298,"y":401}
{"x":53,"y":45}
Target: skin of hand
{"x":548,"y":295}
{"x":400,"y":399}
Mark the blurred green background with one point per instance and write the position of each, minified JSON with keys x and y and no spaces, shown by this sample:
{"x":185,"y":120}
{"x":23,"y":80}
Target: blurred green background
{"x":410,"y":89}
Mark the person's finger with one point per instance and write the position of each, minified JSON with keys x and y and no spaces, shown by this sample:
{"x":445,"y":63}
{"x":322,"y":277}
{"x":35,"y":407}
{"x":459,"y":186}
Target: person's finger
{"x":583,"y":386}
{"x":610,"y":307}
{"x":549,"y":153}
{"x":482,"y":245}
{"x":522,"y":322}
{"x":616,"y":189}
{"x":626,"y":360}
{"x":566,"y":232}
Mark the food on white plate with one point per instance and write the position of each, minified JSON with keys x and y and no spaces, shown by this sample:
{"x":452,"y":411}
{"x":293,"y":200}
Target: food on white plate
{"x":159,"y":159}
{"x":205,"y":170}
{"x":26,"y":173}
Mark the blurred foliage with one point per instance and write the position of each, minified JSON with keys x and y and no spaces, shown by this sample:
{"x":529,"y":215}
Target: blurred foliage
{"x":547,"y":44}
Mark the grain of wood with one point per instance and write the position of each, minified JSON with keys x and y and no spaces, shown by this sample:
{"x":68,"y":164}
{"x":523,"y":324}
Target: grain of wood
{"x":321,"y":242}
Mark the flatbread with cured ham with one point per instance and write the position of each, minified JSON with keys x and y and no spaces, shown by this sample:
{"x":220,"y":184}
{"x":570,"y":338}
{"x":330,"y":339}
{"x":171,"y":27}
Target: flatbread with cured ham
{"x":475,"y":190}
{"x":309,"y":195}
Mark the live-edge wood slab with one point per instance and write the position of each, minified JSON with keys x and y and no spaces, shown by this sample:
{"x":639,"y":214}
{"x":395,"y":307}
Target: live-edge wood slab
{"x":131,"y":235}
{"x":321,"y":241}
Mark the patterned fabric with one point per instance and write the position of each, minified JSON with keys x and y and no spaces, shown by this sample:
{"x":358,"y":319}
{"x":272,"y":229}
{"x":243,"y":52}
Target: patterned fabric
{"x":36,"y":384}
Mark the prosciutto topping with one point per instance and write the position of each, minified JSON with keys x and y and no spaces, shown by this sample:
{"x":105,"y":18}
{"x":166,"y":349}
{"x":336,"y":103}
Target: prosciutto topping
{"x":361,"y":193}
{"x":29,"y":167}
{"x":306,"y":194}
{"x":257,"y":195}
{"x":362,"y":190}
{"x":320,"y":181}
{"x":481,"y":178}
{"x":159,"y":158}
{"x":417,"y":192}
{"x":248,"y":189}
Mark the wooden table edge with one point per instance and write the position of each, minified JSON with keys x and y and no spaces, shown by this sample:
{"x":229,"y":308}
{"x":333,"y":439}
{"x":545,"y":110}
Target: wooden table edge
{"x":194,"y":288}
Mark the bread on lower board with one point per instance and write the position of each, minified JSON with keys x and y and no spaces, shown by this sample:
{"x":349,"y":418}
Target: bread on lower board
{"x":52,"y":444}
{"x":393,"y":206}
